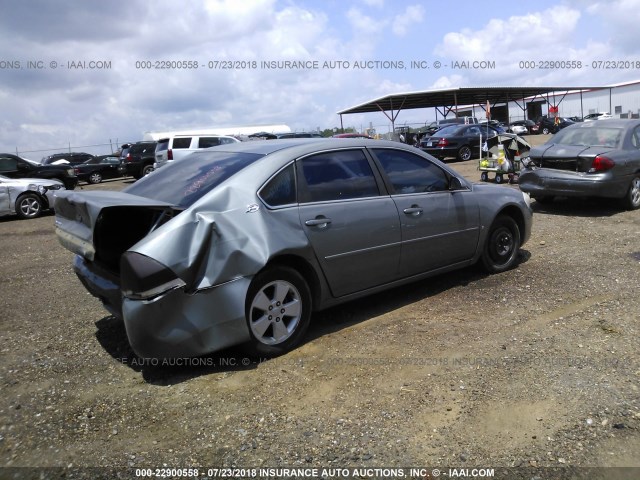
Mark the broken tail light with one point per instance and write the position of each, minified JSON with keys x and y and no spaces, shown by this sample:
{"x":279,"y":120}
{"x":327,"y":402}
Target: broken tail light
{"x":143,"y":278}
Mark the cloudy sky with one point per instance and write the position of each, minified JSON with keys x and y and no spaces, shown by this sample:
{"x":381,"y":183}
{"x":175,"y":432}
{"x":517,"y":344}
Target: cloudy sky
{"x":79,"y":73}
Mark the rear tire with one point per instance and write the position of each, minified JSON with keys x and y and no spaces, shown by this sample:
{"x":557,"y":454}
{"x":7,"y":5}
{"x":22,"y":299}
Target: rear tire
{"x":95,"y":178}
{"x":632,"y":198}
{"x":500,"y":251}
{"x":464,"y":153}
{"x":278,"y":311}
{"x":146,"y":170}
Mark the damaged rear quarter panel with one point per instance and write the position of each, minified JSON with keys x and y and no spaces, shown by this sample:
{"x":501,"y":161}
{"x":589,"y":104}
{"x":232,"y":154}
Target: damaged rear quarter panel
{"x":220,"y":238}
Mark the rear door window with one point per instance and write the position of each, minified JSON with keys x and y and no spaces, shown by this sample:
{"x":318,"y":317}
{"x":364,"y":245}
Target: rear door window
{"x":182,"y":142}
{"x":206,"y":142}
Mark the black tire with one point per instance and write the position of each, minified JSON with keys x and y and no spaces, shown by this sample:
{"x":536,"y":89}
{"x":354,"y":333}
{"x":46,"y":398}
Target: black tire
{"x":146,"y":170}
{"x":277,"y":311}
{"x":95,"y":177}
{"x":499,"y":178}
{"x":545,"y":130}
{"x":484,"y":177}
{"x":464,"y":153}
{"x":631,"y":200}
{"x":500,"y":251}
{"x":28,"y":205}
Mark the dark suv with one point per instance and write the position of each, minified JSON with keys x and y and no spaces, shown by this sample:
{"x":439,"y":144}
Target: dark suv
{"x":138,"y":159}
{"x":13,"y":166}
{"x":74,"y":158}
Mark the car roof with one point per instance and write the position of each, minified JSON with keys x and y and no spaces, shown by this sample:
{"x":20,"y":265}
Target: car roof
{"x":610,"y":123}
{"x":266,"y":147}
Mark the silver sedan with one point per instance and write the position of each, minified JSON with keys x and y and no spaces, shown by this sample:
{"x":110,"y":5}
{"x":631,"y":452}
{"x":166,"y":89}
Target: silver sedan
{"x":241,"y":243}
{"x":27,"y":197}
{"x":590,"y":159}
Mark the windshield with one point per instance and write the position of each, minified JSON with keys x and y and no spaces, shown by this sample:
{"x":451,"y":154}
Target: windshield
{"x":600,"y":136}
{"x":32,"y":162}
{"x":183,"y":182}
{"x":449,"y":130}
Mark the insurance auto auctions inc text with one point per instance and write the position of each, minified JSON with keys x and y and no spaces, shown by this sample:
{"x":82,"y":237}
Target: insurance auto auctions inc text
{"x":339,"y":473}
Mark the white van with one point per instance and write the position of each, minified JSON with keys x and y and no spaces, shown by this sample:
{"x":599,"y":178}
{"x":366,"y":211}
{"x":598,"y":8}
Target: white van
{"x":179,"y":146}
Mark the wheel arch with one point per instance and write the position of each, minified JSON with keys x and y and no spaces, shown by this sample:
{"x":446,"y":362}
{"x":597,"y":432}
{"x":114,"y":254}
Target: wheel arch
{"x":515,"y":213}
{"x":43,"y":198}
{"x":304,"y":268}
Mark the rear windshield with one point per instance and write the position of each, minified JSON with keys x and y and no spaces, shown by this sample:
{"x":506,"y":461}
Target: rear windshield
{"x":600,"y":136}
{"x":449,"y":130}
{"x":162,"y":145}
{"x":182,"y":183}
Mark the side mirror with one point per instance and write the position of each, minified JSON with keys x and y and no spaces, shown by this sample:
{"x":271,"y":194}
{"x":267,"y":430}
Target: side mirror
{"x":455,"y":184}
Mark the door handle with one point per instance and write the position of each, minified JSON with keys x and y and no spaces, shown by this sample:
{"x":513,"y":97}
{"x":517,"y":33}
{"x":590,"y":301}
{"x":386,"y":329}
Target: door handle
{"x":318,"y":222}
{"x":413,"y":210}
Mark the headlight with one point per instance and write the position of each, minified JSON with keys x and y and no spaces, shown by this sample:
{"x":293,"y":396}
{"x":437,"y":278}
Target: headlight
{"x":527,"y":199}
{"x":54,"y":186}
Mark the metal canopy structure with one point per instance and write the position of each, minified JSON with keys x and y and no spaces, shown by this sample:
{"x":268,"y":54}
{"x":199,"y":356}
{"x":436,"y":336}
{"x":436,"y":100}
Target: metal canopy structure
{"x":449,"y":99}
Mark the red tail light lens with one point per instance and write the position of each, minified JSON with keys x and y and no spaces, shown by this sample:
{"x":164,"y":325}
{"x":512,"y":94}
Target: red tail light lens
{"x":128,"y":159}
{"x":601,"y":164}
{"x":443,"y":142}
{"x":169,"y":154}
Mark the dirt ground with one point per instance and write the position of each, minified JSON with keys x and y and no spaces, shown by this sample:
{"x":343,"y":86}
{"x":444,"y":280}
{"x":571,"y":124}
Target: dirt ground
{"x":525,"y":371}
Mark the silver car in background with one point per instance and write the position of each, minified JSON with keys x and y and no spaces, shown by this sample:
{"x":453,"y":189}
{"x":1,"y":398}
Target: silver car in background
{"x":27,"y":197}
{"x":589,"y":159}
{"x":241,"y":243}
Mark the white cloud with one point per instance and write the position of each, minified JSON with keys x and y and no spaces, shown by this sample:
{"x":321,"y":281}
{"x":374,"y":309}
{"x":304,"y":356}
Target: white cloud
{"x":413,"y":14}
{"x":364,"y":24}
{"x":547,"y":32}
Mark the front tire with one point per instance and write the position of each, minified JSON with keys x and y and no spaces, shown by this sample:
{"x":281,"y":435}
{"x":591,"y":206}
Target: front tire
{"x":28,"y":206}
{"x":278,"y":311}
{"x":500,"y":251}
{"x":464,"y":153}
{"x":545,"y":131}
{"x":632,"y":198}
